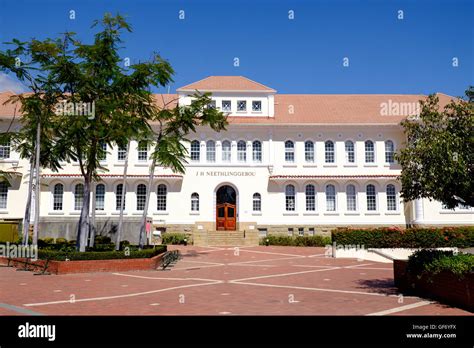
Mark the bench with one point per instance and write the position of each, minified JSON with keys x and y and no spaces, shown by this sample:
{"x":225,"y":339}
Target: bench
{"x":28,"y":265}
{"x":170,"y":258}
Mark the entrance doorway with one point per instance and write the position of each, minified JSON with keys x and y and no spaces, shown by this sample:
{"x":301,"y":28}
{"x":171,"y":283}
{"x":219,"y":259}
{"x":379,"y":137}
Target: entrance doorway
{"x":226,"y":208}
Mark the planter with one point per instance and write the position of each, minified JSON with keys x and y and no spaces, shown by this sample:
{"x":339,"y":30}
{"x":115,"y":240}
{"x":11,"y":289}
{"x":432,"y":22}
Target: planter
{"x":444,"y":286}
{"x":89,"y":266}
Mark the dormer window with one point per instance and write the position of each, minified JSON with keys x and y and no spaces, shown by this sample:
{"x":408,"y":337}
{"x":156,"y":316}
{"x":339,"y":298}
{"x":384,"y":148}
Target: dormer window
{"x":226,"y":105}
{"x":256,"y":106}
{"x":241,"y":105}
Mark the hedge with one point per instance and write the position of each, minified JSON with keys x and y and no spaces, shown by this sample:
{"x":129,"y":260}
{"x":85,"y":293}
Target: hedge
{"x":100,"y":255}
{"x":431,"y":262}
{"x":460,"y":237}
{"x":174,"y":238}
{"x":296,"y":241}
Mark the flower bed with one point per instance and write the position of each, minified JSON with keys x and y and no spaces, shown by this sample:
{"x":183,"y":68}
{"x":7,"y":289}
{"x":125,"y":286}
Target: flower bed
{"x":460,"y":237}
{"x":439,"y":275}
{"x":60,"y":262}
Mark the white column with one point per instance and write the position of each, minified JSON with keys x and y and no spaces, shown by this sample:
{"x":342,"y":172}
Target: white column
{"x":419,"y":214}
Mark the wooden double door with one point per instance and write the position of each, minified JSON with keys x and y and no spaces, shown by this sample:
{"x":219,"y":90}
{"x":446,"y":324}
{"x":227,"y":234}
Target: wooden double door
{"x":226,"y":209}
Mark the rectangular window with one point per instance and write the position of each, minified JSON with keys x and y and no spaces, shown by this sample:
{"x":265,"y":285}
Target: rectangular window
{"x":241,"y":105}
{"x":256,"y":106}
{"x":311,"y":231}
{"x":121,"y":153}
{"x":301,"y":231}
{"x":5,"y":150}
{"x":142,"y":151}
{"x":290,"y":231}
{"x":262,"y":232}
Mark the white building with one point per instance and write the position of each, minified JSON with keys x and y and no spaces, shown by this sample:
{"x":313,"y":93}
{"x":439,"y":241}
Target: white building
{"x":292,"y":164}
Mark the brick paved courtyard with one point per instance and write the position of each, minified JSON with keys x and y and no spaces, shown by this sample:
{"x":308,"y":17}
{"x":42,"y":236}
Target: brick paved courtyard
{"x":221,"y":281}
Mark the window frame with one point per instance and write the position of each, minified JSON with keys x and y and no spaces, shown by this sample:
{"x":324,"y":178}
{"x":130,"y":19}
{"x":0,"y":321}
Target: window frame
{"x":329,"y":153}
{"x":162,"y":197}
{"x":349,"y":153}
{"x":290,"y":198}
{"x":333,"y":197}
{"x":290,"y":151}
{"x":309,"y":153}
{"x":369,"y":153}
{"x":257,"y":202}
{"x":211,"y":151}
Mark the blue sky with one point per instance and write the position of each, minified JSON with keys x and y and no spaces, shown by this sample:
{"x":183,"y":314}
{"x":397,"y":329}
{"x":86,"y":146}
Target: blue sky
{"x":303,"y":55}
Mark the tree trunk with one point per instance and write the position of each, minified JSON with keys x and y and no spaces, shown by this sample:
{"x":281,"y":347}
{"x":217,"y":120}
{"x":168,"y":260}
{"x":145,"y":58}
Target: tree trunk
{"x":92,"y":226}
{"x":122,"y":201}
{"x":147,"y":202}
{"x":83,"y":227}
{"x":27,"y":217}
{"x":37,"y":183}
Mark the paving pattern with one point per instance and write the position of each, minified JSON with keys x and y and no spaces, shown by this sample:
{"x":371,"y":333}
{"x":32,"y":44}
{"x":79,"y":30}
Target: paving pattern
{"x":222,"y":281}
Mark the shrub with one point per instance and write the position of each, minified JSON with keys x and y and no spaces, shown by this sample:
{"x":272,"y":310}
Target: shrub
{"x":102,"y":240}
{"x":174,"y":238}
{"x":386,"y":237}
{"x":61,"y":241}
{"x":102,"y":247}
{"x":296,"y":241}
{"x":135,"y":253}
{"x":431,"y":262}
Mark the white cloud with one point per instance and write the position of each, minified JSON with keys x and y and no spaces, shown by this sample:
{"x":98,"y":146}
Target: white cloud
{"x":9,"y":84}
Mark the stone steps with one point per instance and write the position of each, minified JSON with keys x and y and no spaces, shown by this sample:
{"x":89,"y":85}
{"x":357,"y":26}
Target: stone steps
{"x":225,"y":238}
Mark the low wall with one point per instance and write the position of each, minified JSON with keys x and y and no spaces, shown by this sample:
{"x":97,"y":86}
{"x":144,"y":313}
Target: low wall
{"x":90,"y":266}
{"x":444,"y":286}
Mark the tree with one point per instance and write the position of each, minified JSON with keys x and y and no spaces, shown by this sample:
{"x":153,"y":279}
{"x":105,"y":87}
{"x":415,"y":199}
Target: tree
{"x":173,"y":127}
{"x":437,"y":161}
{"x":90,"y":75}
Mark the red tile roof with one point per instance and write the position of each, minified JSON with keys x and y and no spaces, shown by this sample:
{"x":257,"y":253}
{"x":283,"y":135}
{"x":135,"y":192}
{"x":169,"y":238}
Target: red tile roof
{"x":226,"y":83}
{"x":362,"y":176}
{"x":165,"y":176}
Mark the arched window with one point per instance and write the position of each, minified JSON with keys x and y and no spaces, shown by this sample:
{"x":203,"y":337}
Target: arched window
{"x":289,"y":151}
{"x":58,"y":192}
{"x":5,"y":149}
{"x":391,"y":197}
{"x":3,"y":195}
{"x":141,"y":196}
{"x":310,"y":197}
{"x":143,"y":151}
{"x":330,"y":198}
{"x":78,"y":196}
{"x":389,"y":151}
{"x":118,"y":197}
{"x":351,"y":199}
{"x":195,"y":202}
{"x":257,"y":202}
{"x":290,"y":198}
{"x":371,"y":197}
{"x":329,"y":154}
{"x":257,"y":151}
{"x":241,"y":151}
{"x":369,"y":151}
{"x":211,"y":151}
{"x":195,"y":151}
{"x":100,"y":197}
{"x":226,"y":151}
{"x":161,"y":194}
{"x":350,"y":153}
{"x":309,"y":151}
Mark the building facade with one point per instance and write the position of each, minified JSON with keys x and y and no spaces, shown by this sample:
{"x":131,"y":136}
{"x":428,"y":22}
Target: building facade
{"x":288,"y":164}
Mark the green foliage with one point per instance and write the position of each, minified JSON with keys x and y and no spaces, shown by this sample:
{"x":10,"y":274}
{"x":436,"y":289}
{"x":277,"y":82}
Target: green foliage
{"x":102,"y":240}
{"x":134,"y":253}
{"x":461,"y":237}
{"x":437,"y":159}
{"x":431,"y":262}
{"x":175,"y":238}
{"x":309,"y":241}
{"x":61,"y":241}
